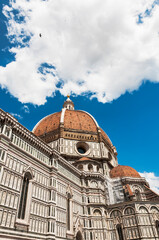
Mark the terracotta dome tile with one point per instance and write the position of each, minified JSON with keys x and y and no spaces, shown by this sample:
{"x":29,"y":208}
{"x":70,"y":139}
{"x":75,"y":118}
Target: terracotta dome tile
{"x":48,"y":124}
{"x":79,"y":120}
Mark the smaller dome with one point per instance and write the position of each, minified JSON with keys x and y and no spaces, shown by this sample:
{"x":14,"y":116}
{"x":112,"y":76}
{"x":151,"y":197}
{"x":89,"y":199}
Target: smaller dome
{"x":124,"y":171}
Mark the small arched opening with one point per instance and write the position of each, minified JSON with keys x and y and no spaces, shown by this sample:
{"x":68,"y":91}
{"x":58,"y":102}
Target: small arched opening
{"x":90,"y":167}
{"x":80,"y":167}
{"x":79,"y":236}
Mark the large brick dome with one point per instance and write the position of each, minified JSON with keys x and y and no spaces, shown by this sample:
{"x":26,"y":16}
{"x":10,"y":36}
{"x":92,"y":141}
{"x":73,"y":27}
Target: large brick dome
{"x":74,"y":120}
{"x":124,"y":171}
{"x":68,"y":123}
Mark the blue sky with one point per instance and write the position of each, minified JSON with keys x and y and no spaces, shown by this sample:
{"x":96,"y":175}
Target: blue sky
{"x":118,"y":87}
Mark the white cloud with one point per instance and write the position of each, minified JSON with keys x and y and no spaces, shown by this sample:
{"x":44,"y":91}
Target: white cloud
{"x":95,"y":46}
{"x":26,"y":109}
{"x":152,"y":180}
{"x":16,"y":115}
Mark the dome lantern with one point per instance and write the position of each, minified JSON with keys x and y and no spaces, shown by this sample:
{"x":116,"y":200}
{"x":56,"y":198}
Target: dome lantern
{"x":68,"y":104}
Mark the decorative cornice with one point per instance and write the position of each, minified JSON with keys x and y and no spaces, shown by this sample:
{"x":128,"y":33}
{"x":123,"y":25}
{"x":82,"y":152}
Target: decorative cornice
{"x":24,"y":132}
{"x":132,"y":180}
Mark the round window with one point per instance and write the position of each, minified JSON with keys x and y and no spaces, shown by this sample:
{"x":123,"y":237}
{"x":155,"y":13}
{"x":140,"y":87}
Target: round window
{"x":82,"y":148}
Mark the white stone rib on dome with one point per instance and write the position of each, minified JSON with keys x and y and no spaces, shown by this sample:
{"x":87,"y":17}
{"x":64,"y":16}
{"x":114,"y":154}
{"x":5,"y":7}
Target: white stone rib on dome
{"x":62,"y":115}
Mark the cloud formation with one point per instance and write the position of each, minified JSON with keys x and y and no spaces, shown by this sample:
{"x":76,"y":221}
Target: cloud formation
{"x":102,"y":47}
{"x":152,"y":180}
{"x":25,"y":108}
{"x":18,"y":116}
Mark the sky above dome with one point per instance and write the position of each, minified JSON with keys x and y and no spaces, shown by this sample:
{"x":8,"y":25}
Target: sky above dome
{"x":104,"y":53}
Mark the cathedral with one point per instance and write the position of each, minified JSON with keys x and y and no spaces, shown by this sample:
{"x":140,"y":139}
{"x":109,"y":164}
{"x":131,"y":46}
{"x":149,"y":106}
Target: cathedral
{"x":63,"y":181}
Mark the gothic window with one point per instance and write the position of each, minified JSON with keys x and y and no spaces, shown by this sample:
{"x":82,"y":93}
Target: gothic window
{"x":24,"y":194}
{"x":68,"y":210}
{"x":138,"y":195}
{"x":157,"y":226}
{"x":120,"y":232}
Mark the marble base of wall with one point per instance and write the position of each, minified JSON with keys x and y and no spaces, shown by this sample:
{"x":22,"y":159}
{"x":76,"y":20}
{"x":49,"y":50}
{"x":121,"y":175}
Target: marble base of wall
{"x":69,"y":236}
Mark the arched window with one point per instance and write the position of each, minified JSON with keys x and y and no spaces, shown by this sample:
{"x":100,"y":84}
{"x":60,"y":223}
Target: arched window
{"x":80,"y":167}
{"x":90,"y":167}
{"x":24,"y":194}
{"x":157,"y":226}
{"x":120,"y":232}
